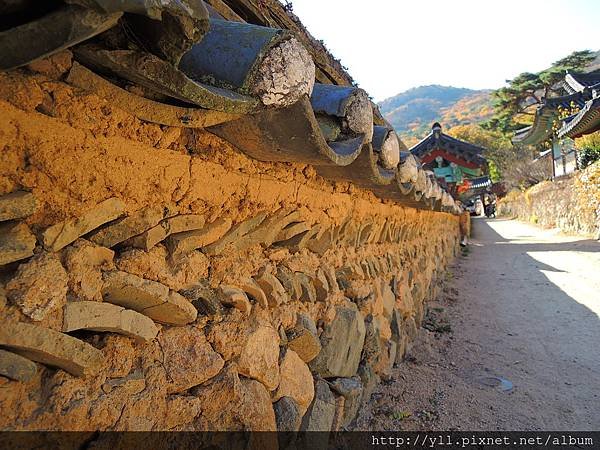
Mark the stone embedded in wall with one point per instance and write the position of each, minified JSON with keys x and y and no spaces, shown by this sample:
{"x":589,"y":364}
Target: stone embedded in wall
{"x":51,"y":348}
{"x":368,"y":378}
{"x":388,"y":358}
{"x":180,"y":244}
{"x":188,"y":358}
{"x":287,"y":416}
{"x":131,"y":384}
{"x":319,"y":280}
{"x":266,"y":233}
{"x":303,"y":320}
{"x":247,"y":401}
{"x":300,"y":240}
{"x":319,"y":416}
{"x":322,"y":242}
{"x":147,"y":297}
{"x":39,"y":287}
{"x":16,"y":242}
{"x":396,"y":326}
{"x":100,"y":316}
{"x":236,"y":298}
{"x":63,"y":233}
{"x":156,"y":265}
{"x":172,"y":225}
{"x":259,"y":358}
{"x":364,"y":233}
{"x":295,"y":381}
{"x":204,"y":299}
{"x":251,"y":287}
{"x":342,"y":343}
{"x":389,"y":300}
{"x":373,"y":347}
{"x":16,"y":367}
{"x":352,"y":391}
{"x":401,"y":349}
{"x":181,"y":410}
{"x":273,"y":289}
{"x":411,"y":328}
{"x":235,"y":233}
{"x":368,"y":269}
{"x":291,"y":230}
{"x":348,"y":273}
{"x":329,"y":273}
{"x":84,"y":262}
{"x":16,"y":205}
{"x":304,"y":342}
{"x":127,"y":227}
{"x":289,"y":281}
{"x":308,"y":290}
{"x":339,"y":413}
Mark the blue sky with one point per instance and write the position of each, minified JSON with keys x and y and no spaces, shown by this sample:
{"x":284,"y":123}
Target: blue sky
{"x":389,"y":46}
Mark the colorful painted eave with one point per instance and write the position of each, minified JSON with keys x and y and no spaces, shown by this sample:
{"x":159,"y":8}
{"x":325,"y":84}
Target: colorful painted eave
{"x":436,"y":143}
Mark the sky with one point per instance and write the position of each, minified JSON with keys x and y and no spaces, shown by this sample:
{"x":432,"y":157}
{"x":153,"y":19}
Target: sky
{"x":390,"y":46}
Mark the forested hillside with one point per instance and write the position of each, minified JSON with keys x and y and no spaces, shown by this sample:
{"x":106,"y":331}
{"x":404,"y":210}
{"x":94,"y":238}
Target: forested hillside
{"x":412,"y":112}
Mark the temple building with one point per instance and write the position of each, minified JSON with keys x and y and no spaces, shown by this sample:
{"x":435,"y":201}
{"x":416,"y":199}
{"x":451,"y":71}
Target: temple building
{"x":559,"y":120}
{"x":457,"y":165}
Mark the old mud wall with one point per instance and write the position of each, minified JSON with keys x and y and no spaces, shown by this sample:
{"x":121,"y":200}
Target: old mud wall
{"x":571,"y":204}
{"x":155,"y":278}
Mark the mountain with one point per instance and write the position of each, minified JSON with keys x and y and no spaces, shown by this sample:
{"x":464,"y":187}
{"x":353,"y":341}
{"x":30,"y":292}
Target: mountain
{"x":414,"y":111}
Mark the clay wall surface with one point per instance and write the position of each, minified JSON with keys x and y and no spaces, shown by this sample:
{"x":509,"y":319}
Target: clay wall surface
{"x":156,"y":278}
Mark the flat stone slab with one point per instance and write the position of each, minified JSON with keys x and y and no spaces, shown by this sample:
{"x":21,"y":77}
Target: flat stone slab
{"x":16,"y":367}
{"x":101,"y":316}
{"x":204,"y":299}
{"x":167,"y":227}
{"x":236,"y":298}
{"x":51,"y":347}
{"x":39,"y":287}
{"x":188,"y":359}
{"x":273,"y":289}
{"x":304,"y":343}
{"x":289,"y":281}
{"x":16,"y":242}
{"x":17,"y":205}
{"x":251,"y":287}
{"x":292,"y":230}
{"x":342,"y":344}
{"x":234,"y":234}
{"x":129,"y":226}
{"x":147,"y":297}
{"x":309,"y":293}
{"x":266,"y":233}
{"x":63,"y":233}
{"x":319,"y":416}
{"x":180,"y":244}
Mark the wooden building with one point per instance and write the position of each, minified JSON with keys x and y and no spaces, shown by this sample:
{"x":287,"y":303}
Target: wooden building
{"x":457,"y":164}
{"x":559,"y":120}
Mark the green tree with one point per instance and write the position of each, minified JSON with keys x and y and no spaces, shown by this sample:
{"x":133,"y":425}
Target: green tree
{"x":499,"y":148}
{"x":589,"y":146}
{"x":514,"y":104}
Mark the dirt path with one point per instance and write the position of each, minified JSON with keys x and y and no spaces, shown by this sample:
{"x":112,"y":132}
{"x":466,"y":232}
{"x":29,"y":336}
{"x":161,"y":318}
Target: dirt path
{"x":523,"y":306}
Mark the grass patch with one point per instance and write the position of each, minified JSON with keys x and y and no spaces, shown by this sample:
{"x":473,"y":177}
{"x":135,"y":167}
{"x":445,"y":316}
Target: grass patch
{"x":400,"y":415}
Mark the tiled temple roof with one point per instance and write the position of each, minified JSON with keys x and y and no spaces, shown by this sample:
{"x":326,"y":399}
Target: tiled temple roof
{"x":438,"y":140}
{"x":244,"y":70}
{"x":586,"y":121}
{"x":578,"y":82}
{"x":580,"y":93}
